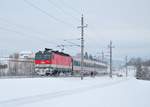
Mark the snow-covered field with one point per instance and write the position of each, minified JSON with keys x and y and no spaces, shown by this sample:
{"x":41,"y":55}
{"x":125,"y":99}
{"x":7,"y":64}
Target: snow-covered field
{"x":72,"y":92}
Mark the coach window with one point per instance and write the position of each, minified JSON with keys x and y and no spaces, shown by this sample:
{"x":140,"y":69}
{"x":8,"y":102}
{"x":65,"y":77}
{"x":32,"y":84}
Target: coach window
{"x":76,"y":63}
{"x":79,"y":63}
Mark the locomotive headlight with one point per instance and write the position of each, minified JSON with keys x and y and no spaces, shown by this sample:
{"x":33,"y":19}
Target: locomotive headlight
{"x":36,"y":69}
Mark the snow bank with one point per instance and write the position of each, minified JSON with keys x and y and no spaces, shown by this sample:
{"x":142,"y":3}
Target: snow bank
{"x":66,"y":92}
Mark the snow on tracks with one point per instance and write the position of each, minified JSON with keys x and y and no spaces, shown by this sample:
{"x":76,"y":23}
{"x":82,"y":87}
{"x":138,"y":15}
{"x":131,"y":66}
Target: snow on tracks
{"x":56,"y":94}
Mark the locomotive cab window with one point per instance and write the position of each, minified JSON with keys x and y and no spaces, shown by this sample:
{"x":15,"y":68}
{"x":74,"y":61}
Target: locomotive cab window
{"x":42,"y":56}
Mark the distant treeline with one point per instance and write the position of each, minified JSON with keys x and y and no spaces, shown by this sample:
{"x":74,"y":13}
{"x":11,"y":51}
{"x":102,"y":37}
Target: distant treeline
{"x":142,"y":68}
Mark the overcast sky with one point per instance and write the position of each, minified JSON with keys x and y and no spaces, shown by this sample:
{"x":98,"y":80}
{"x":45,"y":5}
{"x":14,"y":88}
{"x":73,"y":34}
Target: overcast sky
{"x":125,"y":22}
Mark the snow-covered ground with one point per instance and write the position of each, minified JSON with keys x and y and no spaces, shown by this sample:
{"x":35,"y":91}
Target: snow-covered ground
{"x":73,"y":92}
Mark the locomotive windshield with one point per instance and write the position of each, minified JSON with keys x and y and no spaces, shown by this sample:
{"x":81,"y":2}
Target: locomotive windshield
{"x":43,"y":56}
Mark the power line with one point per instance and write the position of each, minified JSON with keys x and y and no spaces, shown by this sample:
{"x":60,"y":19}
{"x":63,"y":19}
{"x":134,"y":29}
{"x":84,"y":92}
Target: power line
{"x":73,"y":39}
{"x":73,"y":44}
{"x":62,"y":10}
{"x":28,"y":28}
{"x":46,"y":13}
{"x":49,"y":15}
{"x":22,"y":26}
{"x":25,"y":35}
{"x":44,"y":41}
{"x":62,"y":47}
{"x":70,"y":7}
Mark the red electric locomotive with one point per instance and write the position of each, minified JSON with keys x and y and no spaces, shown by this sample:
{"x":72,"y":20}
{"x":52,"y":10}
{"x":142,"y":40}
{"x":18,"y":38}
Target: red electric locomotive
{"x":51,"y":62}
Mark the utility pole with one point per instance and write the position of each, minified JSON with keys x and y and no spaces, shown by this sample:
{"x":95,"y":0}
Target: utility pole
{"x":82,"y":45}
{"x":126,"y":61}
{"x":110,"y":47}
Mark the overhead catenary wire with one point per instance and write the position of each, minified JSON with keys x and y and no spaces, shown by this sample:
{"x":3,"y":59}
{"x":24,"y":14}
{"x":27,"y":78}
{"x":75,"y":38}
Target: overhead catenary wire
{"x":18,"y":25}
{"x":48,"y":14}
{"x":70,"y":7}
{"x":73,"y":39}
{"x":55,"y":45}
{"x":62,"y":10}
{"x":28,"y":28}
{"x":25,"y":35}
{"x":72,"y":43}
{"x":51,"y":16}
{"x":73,"y":9}
{"x":66,"y":5}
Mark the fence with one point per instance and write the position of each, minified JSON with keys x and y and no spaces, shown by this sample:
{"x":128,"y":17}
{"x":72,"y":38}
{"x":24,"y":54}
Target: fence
{"x":16,"y":67}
